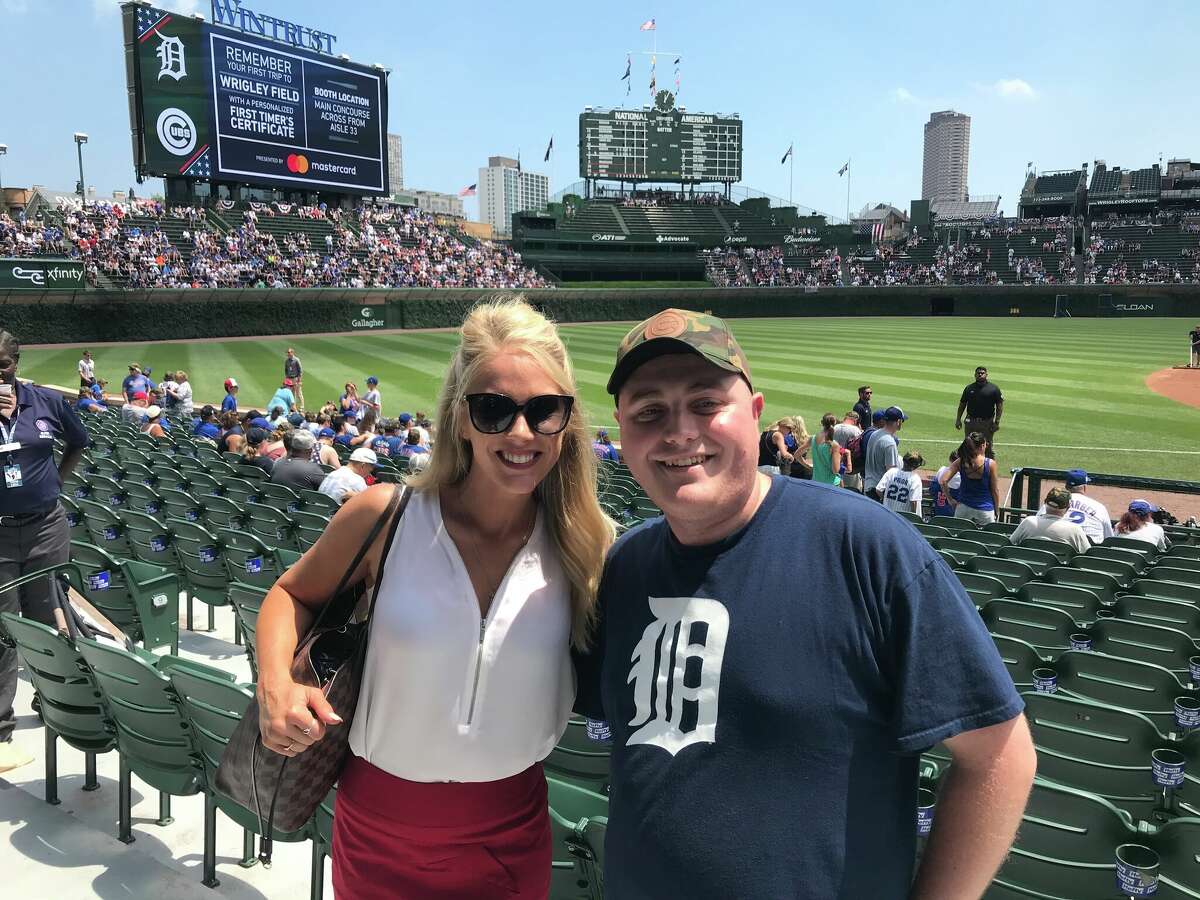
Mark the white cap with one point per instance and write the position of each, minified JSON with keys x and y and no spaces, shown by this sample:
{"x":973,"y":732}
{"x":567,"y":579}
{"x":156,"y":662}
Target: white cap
{"x":364,"y":455}
{"x":153,"y":412}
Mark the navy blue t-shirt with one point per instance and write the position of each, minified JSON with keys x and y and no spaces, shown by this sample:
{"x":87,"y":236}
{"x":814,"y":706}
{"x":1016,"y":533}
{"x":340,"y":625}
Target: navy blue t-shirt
{"x":42,"y":415}
{"x":769,"y":695}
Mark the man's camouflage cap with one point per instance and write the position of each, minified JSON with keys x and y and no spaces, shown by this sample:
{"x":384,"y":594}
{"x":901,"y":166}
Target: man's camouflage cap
{"x":673,"y":331}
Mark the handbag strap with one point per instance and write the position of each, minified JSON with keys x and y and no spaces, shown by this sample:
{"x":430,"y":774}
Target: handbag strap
{"x":399,"y":498}
{"x":387,"y":546}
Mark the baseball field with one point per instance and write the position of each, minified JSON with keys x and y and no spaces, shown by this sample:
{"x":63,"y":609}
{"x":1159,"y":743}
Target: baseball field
{"x":1074,"y":389}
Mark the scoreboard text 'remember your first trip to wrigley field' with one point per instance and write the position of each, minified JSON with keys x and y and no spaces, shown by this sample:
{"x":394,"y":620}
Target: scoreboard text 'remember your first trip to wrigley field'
{"x":214,"y":102}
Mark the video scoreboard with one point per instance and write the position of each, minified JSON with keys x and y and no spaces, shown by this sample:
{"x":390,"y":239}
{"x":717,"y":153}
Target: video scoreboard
{"x":660,"y":143}
{"x":218,"y":103}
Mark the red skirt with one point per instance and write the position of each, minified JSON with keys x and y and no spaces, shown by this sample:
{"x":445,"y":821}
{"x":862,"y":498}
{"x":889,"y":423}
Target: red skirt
{"x":411,"y":840}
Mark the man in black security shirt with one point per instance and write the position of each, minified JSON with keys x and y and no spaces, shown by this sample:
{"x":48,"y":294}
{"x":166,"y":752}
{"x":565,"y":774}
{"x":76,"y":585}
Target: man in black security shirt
{"x":767,"y":709}
{"x":984,"y":405}
{"x":863,"y":406}
{"x":1194,"y":337}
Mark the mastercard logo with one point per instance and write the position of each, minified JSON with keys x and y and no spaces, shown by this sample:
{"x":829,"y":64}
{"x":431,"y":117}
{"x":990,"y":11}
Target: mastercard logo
{"x":297,"y":162}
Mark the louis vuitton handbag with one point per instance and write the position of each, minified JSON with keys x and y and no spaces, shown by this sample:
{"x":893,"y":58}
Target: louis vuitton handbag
{"x":284,"y":792}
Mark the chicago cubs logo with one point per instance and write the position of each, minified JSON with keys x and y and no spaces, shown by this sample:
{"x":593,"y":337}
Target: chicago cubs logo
{"x":176,"y":131}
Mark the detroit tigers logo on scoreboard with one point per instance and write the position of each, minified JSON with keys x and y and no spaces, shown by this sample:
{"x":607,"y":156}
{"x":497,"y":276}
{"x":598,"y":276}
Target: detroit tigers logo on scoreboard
{"x":676,"y":698}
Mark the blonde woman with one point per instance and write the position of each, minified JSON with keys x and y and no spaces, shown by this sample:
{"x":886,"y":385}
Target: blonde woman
{"x":489,"y":580}
{"x":801,"y":464}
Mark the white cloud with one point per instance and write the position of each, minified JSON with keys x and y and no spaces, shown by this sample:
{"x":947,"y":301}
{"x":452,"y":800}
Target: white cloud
{"x":104,"y":7}
{"x":1009,"y":89}
{"x":902,"y":95}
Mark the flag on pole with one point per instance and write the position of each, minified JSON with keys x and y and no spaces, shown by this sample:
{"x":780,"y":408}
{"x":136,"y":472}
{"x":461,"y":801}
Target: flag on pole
{"x":648,"y":25}
{"x":518,"y":163}
{"x":549,"y":147}
{"x":877,"y":232}
{"x":468,"y":191}
{"x":786,"y":155}
{"x":628,"y":68}
{"x":677,"y":59}
{"x":844,"y":169}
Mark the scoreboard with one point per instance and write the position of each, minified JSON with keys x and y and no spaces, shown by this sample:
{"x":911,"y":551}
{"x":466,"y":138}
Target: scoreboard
{"x":210,"y":102}
{"x":659,"y":144}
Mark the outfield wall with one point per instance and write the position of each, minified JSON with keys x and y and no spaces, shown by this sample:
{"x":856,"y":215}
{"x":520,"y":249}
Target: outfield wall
{"x":96,"y":316}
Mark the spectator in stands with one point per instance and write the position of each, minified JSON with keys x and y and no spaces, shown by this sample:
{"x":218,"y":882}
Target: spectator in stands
{"x":233,"y":436}
{"x":283,"y":398}
{"x":165,"y":390}
{"x":182,"y":394}
{"x":293,"y":371}
{"x":134,"y":382}
{"x":87,"y":370}
{"x":901,"y":489}
{"x":1088,"y":513}
{"x":342,"y":484}
{"x":882,"y":450}
{"x":134,"y":411}
{"x":207,"y":425}
{"x":88,"y":403}
{"x":672,"y":624}
{"x":1137,"y":523}
{"x":1051,"y":522}
{"x":349,"y":402}
{"x":297,"y":470}
{"x":367,"y":430}
{"x":153,"y":424}
{"x":229,"y":403}
{"x":939,"y":495}
{"x":603,"y":447}
{"x":826,"y":453}
{"x":275,"y":447}
{"x":325,"y":454}
{"x":420,"y":422}
{"x":844,"y":433}
{"x":412,"y":448}
{"x":251,"y":447}
{"x":978,"y":495}
{"x":984,"y":405}
{"x":343,"y":431}
{"x":863,"y":405}
{"x":372,"y":400}
{"x":774,"y":454}
{"x":97,"y":391}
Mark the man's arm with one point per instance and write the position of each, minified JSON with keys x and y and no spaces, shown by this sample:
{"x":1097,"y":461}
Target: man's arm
{"x":979,"y":808}
{"x":962,"y":405}
{"x":999,"y":412}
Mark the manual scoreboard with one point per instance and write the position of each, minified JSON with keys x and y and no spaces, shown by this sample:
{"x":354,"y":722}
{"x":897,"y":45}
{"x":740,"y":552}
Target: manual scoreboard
{"x":660,"y":143}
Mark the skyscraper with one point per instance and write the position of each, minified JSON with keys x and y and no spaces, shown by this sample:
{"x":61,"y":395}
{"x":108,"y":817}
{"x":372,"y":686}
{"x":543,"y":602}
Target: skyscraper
{"x":504,"y":189}
{"x":395,"y":163}
{"x":947,"y":155}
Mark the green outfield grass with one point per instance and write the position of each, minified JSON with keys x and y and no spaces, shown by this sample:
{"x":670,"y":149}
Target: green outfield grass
{"x":1073,"y":387}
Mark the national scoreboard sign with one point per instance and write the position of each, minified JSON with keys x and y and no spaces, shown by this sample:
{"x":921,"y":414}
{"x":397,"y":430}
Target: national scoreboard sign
{"x":212,"y":102}
{"x":659,"y":144}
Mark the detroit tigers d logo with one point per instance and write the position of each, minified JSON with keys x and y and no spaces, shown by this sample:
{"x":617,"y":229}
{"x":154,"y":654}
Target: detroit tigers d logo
{"x":676,"y":673}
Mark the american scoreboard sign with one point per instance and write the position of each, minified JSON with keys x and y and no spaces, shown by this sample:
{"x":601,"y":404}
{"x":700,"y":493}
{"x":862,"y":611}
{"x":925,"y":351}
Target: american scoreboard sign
{"x":217,"y":103}
{"x":660,"y":143}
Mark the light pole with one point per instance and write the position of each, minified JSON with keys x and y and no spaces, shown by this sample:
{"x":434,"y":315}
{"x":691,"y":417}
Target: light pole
{"x":3,"y":151}
{"x":80,"y":140}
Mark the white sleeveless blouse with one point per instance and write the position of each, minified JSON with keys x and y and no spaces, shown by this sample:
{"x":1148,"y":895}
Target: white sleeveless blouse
{"x":448,"y":695}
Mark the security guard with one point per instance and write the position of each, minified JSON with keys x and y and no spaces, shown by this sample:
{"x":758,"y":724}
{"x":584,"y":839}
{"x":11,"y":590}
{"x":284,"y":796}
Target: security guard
{"x":33,"y":527}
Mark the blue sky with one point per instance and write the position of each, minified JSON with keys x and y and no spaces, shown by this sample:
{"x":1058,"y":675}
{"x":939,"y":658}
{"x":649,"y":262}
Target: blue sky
{"x":1054,"y":86}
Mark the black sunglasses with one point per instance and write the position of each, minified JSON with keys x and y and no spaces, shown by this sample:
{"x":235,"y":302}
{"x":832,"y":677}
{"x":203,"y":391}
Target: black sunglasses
{"x":495,"y":413}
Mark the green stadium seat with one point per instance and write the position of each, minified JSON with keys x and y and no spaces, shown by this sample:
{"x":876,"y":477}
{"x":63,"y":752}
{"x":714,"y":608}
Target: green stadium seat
{"x":322,"y":842}
{"x":1102,"y":551}
{"x":581,"y":761}
{"x":201,"y":558}
{"x":222,"y":512}
{"x":247,"y":600}
{"x":1101,"y":584}
{"x":179,"y":504}
{"x":1187,"y":551}
{"x":75,"y":520}
{"x":953,"y":524}
{"x":1063,"y":552}
{"x":315,"y":501}
{"x":577,"y":868}
{"x":76,"y":486}
{"x":932,"y":531}
{"x":1175,"y":561}
{"x":1065,"y":847}
{"x":107,"y":491}
{"x":142,"y":497}
{"x":1179,"y":869}
{"x":139,"y":598}
{"x":1153,"y":611}
{"x":1128,"y":543}
{"x":1168,"y":590}
{"x":1038,"y":560}
{"x":990,"y":539}
{"x":1122,"y":572}
{"x":1011,"y":573}
{"x":1020,"y":658}
{"x":309,"y":527}
{"x":149,"y":540}
{"x":1137,"y":686}
{"x":1046,"y":629}
{"x":1164,"y":646}
{"x":282,"y":498}
{"x":71,"y":707}
{"x":980,"y":587}
{"x":959,"y":545}
{"x":1162,"y":572}
{"x":242,"y":491}
{"x":1081,"y":604}
{"x":273,"y":527}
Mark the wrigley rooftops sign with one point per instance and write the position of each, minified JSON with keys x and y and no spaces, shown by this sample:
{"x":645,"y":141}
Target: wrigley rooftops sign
{"x":233,"y":14}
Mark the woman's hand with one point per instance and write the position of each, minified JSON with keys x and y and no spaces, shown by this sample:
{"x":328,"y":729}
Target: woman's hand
{"x":292,"y":717}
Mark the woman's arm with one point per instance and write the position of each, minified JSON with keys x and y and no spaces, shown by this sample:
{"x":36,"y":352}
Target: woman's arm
{"x":288,"y":709}
{"x":944,"y":481}
{"x":781,"y":445}
{"x":994,"y":485}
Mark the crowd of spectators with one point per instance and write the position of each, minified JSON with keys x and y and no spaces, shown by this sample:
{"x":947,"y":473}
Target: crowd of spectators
{"x":809,"y":266}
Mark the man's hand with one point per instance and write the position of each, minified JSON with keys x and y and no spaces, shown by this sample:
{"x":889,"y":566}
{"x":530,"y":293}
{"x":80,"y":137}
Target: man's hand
{"x":996,"y":426}
{"x":958,"y":424}
{"x":8,"y":402}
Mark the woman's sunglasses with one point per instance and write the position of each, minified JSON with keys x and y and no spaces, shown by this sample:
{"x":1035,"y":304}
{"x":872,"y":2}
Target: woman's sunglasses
{"x":495,"y":413}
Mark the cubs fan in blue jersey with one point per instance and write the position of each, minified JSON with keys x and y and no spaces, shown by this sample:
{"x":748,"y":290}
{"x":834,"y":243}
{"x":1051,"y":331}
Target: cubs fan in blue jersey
{"x":768,"y":703}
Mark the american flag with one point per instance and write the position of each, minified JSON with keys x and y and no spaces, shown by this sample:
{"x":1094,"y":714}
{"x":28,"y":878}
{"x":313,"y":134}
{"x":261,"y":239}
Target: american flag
{"x":149,"y":20}
{"x":199,"y":166}
{"x":468,"y":191}
{"x":648,"y":25}
{"x":877,"y":233}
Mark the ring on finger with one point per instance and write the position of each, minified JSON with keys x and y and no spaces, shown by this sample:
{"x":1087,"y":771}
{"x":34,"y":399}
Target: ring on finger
{"x":289,"y":748}
{"x":306,"y":731}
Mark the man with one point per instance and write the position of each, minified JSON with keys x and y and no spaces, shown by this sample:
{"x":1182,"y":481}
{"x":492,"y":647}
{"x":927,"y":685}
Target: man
{"x":984,"y":405}
{"x":882,"y":453}
{"x":229,"y":403}
{"x":342,"y":484}
{"x":97,"y":391}
{"x":408,"y":422}
{"x":1088,"y":513}
{"x":1051,"y":522}
{"x":901,"y":489}
{"x":1194,"y":337}
{"x":293,"y":370}
{"x":745,"y":681}
{"x":297,"y":470}
{"x":88,"y":403}
{"x":87,"y":370}
{"x":283,"y":398}
{"x":412,"y":448}
{"x":844,"y":432}
{"x":207,"y":426}
{"x":603,"y":447}
{"x":863,"y":406}
{"x":134,"y":411}
{"x":134,"y":382}
{"x":326,"y":455}
{"x":372,"y":399}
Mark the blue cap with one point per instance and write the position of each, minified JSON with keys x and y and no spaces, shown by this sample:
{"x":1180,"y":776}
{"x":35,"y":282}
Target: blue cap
{"x":894,"y":414}
{"x":1076,"y":477}
{"x":877,"y":417}
{"x":260,"y":422}
{"x":371,"y":379}
{"x":1145,"y":507}
{"x":404,"y":418}
{"x":601,"y":433}
{"x":326,"y":433}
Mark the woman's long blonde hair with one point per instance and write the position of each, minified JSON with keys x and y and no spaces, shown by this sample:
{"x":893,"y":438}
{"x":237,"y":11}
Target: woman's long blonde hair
{"x":577,"y":526}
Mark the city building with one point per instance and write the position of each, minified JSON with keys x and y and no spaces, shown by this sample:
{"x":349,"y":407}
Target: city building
{"x":504,"y":189}
{"x":439,"y":204}
{"x":947,"y":156}
{"x":395,"y":163}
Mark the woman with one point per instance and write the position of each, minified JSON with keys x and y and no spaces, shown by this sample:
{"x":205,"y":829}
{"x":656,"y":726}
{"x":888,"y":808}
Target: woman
{"x":35,"y":534}
{"x":1137,"y":523}
{"x":182,"y":394}
{"x":443,"y":796}
{"x":801,"y":448}
{"x":232,"y":434}
{"x":367,"y":430}
{"x":941,"y":504}
{"x":827,"y":453}
{"x":349,"y":401}
{"x":978,"y":494}
{"x":275,"y":447}
{"x":252,"y":451}
{"x":153,"y":423}
{"x":775,"y":446}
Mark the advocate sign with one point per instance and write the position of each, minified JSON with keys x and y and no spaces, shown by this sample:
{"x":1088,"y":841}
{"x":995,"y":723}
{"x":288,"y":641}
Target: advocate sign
{"x":34,"y":274}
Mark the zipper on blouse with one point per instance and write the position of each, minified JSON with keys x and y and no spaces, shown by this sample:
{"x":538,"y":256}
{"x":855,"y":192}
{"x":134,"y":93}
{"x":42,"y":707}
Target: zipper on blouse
{"x":478,"y":666}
